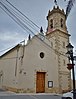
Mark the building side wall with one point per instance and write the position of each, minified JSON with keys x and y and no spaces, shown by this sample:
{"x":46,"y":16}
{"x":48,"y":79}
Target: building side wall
{"x":8,"y":69}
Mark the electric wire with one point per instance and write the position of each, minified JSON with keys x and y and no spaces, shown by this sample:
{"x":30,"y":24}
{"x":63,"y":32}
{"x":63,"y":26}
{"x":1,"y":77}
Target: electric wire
{"x":16,"y":19}
{"x":13,"y":18}
{"x":49,"y":45}
{"x":19,"y":21}
{"x":22,"y":23}
{"x":20,"y":16}
{"x":23,"y":14}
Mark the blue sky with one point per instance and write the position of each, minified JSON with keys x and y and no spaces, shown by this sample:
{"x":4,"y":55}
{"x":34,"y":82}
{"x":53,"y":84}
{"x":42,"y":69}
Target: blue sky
{"x":36,"y":10}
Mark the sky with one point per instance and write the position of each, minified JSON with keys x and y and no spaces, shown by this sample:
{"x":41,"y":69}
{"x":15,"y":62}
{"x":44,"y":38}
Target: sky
{"x":36,"y":10}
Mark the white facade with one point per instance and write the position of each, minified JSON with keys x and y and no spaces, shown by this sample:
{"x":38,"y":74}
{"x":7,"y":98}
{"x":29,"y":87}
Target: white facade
{"x":41,"y":64}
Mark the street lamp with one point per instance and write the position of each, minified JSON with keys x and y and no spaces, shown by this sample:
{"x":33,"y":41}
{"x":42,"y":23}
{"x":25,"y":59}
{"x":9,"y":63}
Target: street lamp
{"x":71,"y":65}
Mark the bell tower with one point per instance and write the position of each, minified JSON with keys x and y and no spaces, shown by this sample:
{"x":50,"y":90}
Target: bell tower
{"x":56,"y":20}
{"x":59,"y":37}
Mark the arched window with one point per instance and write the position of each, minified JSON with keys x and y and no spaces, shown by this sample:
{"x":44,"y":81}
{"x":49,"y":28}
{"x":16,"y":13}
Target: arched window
{"x":51,"y":23}
{"x":61,"y":22}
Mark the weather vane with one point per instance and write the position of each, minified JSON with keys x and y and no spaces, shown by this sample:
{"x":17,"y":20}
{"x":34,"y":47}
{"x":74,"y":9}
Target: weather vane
{"x":55,"y":1}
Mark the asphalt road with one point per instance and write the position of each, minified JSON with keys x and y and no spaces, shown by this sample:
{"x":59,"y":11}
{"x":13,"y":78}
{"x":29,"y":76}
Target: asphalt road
{"x":30,"y":97}
{"x":10,"y":95}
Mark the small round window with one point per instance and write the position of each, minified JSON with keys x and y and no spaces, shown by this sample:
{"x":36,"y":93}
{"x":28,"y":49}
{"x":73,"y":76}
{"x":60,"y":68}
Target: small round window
{"x":42,"y":55}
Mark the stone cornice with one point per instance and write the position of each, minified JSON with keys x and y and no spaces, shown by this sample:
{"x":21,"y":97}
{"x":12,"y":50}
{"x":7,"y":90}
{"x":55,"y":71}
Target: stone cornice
{"x":56,"y":10}
{"x":56,"y":30}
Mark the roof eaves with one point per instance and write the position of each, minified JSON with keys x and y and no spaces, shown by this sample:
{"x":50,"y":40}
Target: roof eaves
{"x":17,"y":46}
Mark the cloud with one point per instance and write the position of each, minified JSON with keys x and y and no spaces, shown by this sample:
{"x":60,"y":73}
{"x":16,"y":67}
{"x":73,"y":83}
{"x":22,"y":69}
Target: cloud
{"x":8,"y":39}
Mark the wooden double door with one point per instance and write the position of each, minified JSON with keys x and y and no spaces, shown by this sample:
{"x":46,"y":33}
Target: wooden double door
{"x":40,"y":82}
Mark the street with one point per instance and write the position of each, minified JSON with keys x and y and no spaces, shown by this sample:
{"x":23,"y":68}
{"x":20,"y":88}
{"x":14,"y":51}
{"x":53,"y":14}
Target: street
{"x":12,"y":95}
{"x":30,"y":97}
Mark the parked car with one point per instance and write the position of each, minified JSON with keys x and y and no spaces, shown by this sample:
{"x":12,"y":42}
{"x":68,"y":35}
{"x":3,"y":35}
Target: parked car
{"x":68,"y":94}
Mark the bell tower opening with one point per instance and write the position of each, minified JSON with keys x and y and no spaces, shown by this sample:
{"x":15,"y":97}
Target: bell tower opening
{"x":62,"y":23}
{"x":51,"y":23}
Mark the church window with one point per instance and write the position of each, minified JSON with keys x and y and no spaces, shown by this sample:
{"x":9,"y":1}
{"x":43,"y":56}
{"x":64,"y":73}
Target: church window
{"x":51,"y":23}
{"x":61,"y":22}
{"x":42,"y":55}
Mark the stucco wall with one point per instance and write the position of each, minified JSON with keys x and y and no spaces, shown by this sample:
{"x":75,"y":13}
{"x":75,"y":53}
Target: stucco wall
{"x":32,"y":63}
{"x":8,"y":66}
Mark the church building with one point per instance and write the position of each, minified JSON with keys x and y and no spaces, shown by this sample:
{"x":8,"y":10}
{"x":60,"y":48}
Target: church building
{"x":40,"y":66}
